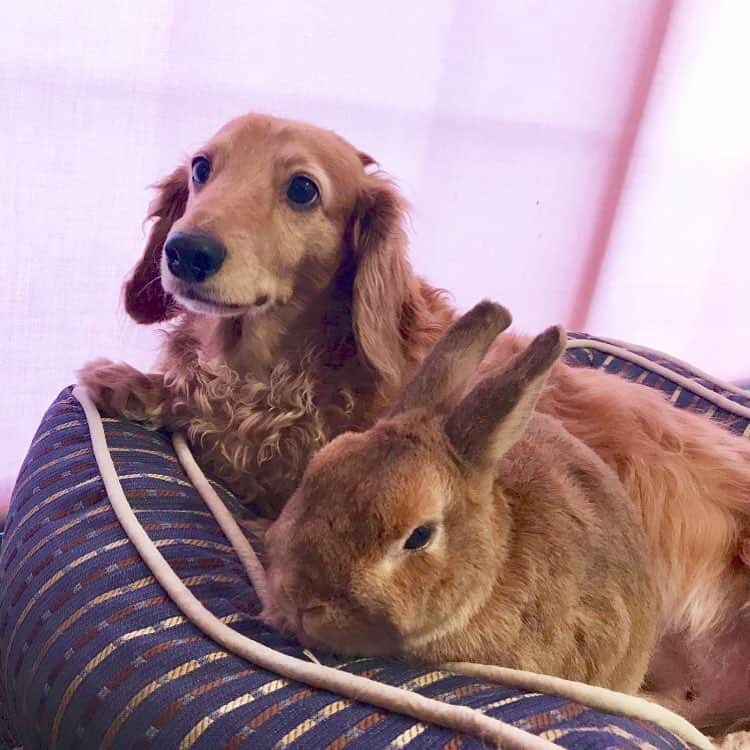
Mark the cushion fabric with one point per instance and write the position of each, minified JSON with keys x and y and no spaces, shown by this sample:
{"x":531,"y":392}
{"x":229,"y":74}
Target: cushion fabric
{"x":93,"y":654}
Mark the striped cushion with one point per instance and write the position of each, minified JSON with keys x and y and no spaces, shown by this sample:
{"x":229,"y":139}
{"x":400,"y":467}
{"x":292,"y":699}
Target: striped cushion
{"x":685,"y":386}
{"x":92,"y":654}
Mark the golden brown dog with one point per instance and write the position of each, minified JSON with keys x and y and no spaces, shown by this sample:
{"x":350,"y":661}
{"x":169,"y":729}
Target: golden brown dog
{"x":280,"y":261}
{"x":296,"y":314}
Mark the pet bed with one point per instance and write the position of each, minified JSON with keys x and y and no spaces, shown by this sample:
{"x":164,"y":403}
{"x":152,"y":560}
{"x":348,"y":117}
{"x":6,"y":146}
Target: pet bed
{"x":93,"y":653}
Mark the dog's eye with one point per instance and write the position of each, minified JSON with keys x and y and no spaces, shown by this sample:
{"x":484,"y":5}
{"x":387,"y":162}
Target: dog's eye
{"x":419,"y":538}
{"x":201,"y":170}
{"x":302,"y":191}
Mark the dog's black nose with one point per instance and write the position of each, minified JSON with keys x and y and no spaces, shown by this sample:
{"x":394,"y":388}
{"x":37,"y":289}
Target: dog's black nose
{"x":193,"y":257}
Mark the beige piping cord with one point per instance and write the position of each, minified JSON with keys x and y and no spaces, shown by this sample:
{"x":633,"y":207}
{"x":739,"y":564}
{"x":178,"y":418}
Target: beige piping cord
{"x":223,"y":517}
{"x":717,"y":399}
{"x":624,"y":348}
{"x":458,"y":718}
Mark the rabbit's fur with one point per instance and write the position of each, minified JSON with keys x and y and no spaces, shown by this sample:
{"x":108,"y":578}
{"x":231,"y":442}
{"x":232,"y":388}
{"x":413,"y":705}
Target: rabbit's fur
{"x":535,"y":558}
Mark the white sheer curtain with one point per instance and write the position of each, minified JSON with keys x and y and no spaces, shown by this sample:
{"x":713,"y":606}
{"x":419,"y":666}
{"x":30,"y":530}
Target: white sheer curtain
{"x":678,"y":264}
{"x":500,"y":120}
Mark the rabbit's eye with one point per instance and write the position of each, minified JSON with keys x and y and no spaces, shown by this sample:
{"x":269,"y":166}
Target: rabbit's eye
{"x":419,"y":538}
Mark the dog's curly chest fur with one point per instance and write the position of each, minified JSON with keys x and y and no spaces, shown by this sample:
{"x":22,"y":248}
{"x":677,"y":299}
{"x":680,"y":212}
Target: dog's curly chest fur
{"x":256,"y":434}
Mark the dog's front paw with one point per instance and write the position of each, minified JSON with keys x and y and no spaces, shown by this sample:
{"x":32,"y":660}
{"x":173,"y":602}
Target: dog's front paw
{"x":120,"y":390}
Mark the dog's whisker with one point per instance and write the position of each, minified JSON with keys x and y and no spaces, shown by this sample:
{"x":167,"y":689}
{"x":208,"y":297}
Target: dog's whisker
{"x":149,"y":283}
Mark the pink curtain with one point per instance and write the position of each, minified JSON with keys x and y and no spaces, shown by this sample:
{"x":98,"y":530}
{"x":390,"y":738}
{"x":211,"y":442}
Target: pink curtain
{"x":678,"y":261}
{"x":514,"y":128}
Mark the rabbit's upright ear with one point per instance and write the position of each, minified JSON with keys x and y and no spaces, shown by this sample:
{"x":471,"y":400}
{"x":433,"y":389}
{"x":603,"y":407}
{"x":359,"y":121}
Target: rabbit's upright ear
{"x":494,"y":414}
{"x":455,"y":358}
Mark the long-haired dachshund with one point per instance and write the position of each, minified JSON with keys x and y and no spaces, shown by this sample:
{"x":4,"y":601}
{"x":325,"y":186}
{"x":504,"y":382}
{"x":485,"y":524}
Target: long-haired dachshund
{"x":278,"y":256}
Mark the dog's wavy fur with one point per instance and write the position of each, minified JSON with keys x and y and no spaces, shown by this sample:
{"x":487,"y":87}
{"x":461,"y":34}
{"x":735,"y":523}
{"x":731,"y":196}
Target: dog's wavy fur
{"x":258,"y":393}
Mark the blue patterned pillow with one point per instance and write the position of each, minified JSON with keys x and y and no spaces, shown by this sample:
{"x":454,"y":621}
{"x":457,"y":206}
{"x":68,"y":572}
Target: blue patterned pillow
{"x":93,"y":654}
{"x":685,"y":386}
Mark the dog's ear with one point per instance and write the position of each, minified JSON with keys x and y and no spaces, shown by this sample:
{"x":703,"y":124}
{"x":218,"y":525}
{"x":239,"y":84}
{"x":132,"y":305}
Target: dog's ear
{"x":384,"y":283}
{"x":145,"y":299}
{"x":366,"y":159}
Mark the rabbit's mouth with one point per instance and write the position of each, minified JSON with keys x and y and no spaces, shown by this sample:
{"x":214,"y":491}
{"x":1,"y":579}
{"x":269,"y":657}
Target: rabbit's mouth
{"x":309,"y":625}
{"x":321,"y":628}
{"x":339,"y":625}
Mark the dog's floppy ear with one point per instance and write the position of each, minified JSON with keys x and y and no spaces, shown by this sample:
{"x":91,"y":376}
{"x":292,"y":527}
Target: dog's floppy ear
{"x":384,"y":283}
{"x":145,"y":299}
{"x":366,"y":159}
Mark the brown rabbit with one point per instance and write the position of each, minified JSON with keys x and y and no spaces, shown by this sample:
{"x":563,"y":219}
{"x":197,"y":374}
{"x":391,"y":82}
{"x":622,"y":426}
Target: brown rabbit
{"x":481,"y":533}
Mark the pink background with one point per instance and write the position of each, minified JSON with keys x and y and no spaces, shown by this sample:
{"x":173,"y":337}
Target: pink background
{"x":581,"y":161}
